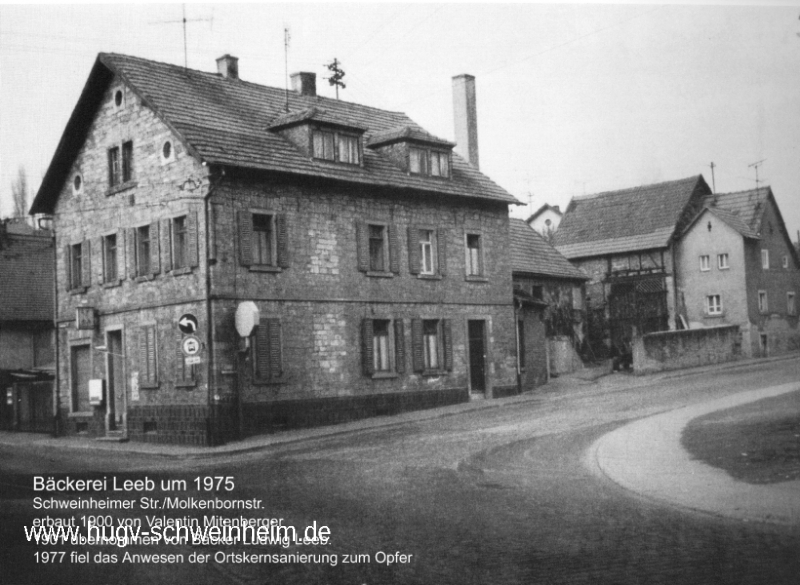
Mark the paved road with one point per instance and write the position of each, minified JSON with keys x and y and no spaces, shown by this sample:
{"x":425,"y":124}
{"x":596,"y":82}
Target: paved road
{"x":496,"y":496}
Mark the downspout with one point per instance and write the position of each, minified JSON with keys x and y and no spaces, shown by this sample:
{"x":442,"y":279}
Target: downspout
{"x":516,"y":337}
{"x":56,"y":381}
{"x":211,"y":428}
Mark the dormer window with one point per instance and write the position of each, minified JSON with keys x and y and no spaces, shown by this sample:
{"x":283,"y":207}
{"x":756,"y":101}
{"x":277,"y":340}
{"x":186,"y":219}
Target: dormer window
{"x":422,"y":161}
{"x":335,"y":146}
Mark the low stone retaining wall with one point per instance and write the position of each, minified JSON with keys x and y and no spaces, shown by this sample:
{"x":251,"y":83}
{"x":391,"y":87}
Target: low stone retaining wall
{"x":675,"y":350}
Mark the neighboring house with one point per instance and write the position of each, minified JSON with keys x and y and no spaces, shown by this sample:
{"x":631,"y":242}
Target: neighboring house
{"x":546,"y":220}
{"x":736,"y":265}
{"x":189,"y":206}
{"x":625,"y":241}
{"x":27,"y":361}
{"x":549,"y":292}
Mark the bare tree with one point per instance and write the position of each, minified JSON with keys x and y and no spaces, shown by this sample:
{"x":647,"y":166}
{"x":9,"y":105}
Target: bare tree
{"x":19,"y":191}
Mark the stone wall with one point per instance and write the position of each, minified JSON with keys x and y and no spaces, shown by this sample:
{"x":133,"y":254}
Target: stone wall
{"x":675,"y":350}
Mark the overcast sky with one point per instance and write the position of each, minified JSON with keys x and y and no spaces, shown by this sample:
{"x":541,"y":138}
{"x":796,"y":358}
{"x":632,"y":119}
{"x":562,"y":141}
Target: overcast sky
{"x":572,"y":98}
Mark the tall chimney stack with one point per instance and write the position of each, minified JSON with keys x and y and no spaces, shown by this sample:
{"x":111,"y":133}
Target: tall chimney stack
{"x":304,"y":83}
{"x":228,"y":67}
{"x":465,"y":115}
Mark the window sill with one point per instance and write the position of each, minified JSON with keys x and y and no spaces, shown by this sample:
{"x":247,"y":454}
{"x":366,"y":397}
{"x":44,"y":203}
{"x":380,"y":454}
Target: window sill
{"x":430,"y":277}
{"x":78,"y":291}
{"x":264,"y":268}
{"x":181,"y":271}
{"x":120,"y":188}
{"x":379,"y":274}
{"x":112,"y":284}
{"x":385,"y":376}
{"x":148,"y":386}
{"x":146,"y":278}
{"x":714,"y":315}
{"x":80,"y":414}
{"x":476,"y":278}
{"x":724,"y":268}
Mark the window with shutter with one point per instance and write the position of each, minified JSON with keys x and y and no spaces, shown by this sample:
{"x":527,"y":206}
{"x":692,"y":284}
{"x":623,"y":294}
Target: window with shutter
{"x":148,"y":357}
{"x":267,"y":351}
{"x":416,"y":345}
{"x":382,"y":347}
{"x":110,"y":259}
{"x":75,"y":262}
{"x":86,"y":263}
{"x":143,"y":246}
{"x":180,"y":243}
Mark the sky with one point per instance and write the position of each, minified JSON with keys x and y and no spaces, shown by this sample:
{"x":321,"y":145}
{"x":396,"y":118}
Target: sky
{"x":572,"y":99}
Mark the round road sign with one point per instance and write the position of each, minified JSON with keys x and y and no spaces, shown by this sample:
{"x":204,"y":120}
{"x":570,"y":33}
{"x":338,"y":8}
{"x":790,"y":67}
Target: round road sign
{"x":190,"y":346}
{"x":187,"y":324}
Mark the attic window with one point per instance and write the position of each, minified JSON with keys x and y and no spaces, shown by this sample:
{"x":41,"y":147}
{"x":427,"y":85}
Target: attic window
{"x":167,"y":151}
{"x":118,"y":98}
{"x":422,"y":161}
{"x":77,"y":183}
{"x":336,"y":146}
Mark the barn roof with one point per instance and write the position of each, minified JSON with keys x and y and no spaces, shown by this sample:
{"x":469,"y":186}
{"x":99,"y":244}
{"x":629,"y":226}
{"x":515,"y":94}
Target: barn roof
{"x":531,"y":254}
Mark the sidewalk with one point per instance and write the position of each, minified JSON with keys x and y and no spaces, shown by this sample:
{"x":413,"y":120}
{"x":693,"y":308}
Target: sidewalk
{"x":564,"y":386}
{"x":647,"y":457}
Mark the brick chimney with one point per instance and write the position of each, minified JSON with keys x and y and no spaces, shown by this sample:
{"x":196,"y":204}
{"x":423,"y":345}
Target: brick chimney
{"x":228,"y":67}
{"x":304,"y":83}
{"x":465,"y":116}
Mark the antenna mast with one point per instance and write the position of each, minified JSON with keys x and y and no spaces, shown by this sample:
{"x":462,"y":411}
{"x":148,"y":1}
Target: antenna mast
{"x":286,"y":38}
{"x":756,"y":165}
{"x":337,"y":74}
{"x":184,"y":21}
{"x":713,"y":182}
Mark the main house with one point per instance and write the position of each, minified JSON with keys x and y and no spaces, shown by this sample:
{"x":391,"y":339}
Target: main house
{"x":235,"y":259}
{"x":625,"y":242}
{"x":736,"y":265}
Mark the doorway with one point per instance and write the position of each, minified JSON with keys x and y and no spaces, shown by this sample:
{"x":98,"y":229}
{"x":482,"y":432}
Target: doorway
{"x":115,"y":377}
{"x":477,"y":356}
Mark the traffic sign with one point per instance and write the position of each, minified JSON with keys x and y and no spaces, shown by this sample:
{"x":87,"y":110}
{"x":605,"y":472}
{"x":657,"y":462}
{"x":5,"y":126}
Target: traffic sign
{"x":187,"y":324}
{"x":190,"y":361}
{"x":190,"y":346}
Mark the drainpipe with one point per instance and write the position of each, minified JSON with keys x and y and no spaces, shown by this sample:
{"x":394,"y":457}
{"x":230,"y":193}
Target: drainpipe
{"x":516,"y":338}
{"x":211,"y":429}
{"x":56,"y":381}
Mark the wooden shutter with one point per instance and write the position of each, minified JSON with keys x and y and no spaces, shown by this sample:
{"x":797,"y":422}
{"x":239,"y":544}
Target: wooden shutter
{"x":131,"y":241}
{"x":245,"y":238}
{"x":121,"y":255}
{"x":362,"y":246}
{"x":152,"y":362}
{"x":367,"y":356}
{"x":394,"y":249}
{"x":447,"y":333}
{"x":155,"y":264}
{"x":262,"y":351}
{"x":282,"y":239}
{"x":86,"y":263}
{"x":99,"y":249}
{"x":275,"y":353}
{"x":414,"y":259}
{"x":180,"y":362}
{"x":68,"y":266}
{"x":399,"y":347}
{"x":144,"y":375}
{"x":166,"y":244}
{"x":192,"y":244}
{"x":441,"y":245}
{"x":417,"y":345}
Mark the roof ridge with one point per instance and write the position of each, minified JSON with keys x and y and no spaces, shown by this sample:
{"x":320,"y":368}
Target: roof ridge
{"x":633,"y":189}
{"x":757,"y":189}
{"x":251,"y":83}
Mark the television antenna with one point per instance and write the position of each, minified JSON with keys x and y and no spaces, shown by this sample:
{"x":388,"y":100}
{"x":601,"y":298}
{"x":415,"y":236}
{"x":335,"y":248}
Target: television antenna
{"x":755,"y":165}
{"x":184,"y":21}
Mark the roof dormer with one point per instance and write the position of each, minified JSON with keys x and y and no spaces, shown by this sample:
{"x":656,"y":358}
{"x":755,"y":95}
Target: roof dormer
{"x":322,"y":136}
{"x":415,"y":151}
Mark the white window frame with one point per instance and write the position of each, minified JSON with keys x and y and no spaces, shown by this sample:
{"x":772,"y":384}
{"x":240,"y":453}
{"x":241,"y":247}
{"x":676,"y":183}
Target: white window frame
{"x":705,"y":263}
{"x":765,"y":259}
{"x":385,"y":247}
{"x":255,"y":246}
{"x":108,"y":266}
{"x":791,"y":306}
{"x":472,"y":271}
{"x":427,"y":253}
{"x":723,"y":261}
{"x":432,"y":345}
{"x":785,"y":261}
{"x":714,"y":308}
{"x":763,"y":302}
{"x":383,"y":349}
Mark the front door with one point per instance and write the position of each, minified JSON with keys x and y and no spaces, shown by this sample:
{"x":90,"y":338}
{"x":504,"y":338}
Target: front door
{"x":116,"y":382}
{"x":477,"y":356}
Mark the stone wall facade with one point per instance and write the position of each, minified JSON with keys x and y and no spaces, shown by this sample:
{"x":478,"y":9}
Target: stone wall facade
{"x":675,"y":350}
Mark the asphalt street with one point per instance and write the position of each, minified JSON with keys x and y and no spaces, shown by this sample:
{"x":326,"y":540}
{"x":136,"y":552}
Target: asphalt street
{"x":496,"y":496}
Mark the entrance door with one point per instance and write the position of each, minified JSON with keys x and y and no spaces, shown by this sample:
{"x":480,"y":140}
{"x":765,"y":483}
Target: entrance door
{"x":81,"y":372}
{"x":477,"y":355}
{"x":116,"y":382}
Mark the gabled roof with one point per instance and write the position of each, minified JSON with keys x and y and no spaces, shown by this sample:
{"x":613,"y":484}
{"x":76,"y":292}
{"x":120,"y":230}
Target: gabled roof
{"x":531,"y":254}
{"x":634,"y":219}
{"x":728,"y":217}
{"x":312,"y":114}
{"x":408,"y":133}
{"x":224,"y":121}
{"x":26,"y":278}
{"x":748,"y":206}
{"x":542,"y":209}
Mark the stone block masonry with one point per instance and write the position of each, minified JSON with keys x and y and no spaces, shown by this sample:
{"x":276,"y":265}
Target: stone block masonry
{"x":674,"y":350}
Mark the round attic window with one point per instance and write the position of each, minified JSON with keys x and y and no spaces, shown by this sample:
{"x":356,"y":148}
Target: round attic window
{"x":77,"y":183}
{"x":166,"y":150}
{"x":548,"y":223}
{"x":118,"y":98}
